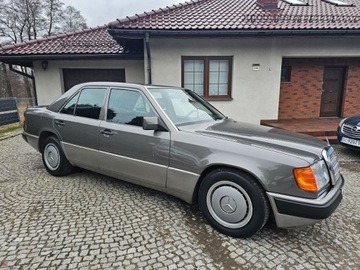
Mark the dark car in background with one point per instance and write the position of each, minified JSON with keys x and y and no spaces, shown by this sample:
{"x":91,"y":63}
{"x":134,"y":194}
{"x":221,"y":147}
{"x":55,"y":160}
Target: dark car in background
{"x":349,"y":131}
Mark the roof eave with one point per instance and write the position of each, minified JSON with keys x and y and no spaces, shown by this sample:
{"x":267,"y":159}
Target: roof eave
{"x":205,"y":33}
{"x":27,"y":60}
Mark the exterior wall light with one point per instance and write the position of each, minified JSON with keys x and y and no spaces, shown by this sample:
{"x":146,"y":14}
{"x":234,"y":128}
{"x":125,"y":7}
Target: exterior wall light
{"x":256,"y":67}
{"x":44,"y":64}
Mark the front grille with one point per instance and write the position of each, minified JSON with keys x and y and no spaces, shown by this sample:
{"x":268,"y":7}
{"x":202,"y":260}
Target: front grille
{"x":351,"y":131}
{"x":333,"y":164}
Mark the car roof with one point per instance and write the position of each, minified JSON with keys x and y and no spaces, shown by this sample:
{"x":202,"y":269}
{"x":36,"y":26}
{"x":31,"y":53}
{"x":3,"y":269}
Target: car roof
{"x":59,"y":102}
{"x":116,"y":84}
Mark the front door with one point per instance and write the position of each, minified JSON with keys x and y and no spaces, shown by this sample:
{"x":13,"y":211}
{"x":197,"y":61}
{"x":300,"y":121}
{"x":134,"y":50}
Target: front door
{"x":333,"y":86}
{"x":126,"y":150}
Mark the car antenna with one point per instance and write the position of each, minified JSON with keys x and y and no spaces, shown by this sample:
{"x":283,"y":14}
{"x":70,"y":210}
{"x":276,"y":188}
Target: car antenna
{"x":327,"y":140}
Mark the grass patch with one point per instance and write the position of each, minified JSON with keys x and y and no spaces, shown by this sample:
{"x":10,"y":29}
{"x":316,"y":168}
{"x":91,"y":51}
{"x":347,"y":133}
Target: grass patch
{"x":11,"y":128}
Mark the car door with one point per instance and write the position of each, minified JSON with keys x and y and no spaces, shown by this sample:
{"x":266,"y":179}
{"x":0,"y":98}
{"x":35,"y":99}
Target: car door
{"x":77,"y":123}
{"x":126,"y":150}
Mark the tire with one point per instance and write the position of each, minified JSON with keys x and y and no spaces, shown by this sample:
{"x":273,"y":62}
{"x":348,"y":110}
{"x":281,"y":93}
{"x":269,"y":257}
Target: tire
{"x":233,"y":202}
{"x":54,"y":158}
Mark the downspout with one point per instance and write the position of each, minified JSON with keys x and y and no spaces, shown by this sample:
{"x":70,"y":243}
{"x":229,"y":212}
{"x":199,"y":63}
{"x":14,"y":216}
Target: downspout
{"x":148,"y":53}
{"x":34,"y":87}
{"x":29,"y":76}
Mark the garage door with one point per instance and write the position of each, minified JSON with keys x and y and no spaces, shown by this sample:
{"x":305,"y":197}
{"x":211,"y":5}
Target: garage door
{"x":76,"y":76}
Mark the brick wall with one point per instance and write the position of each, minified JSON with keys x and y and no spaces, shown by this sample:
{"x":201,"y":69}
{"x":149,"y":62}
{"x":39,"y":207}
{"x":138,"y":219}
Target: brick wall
{"x":352,"y":91}
{"x":301,"y":98}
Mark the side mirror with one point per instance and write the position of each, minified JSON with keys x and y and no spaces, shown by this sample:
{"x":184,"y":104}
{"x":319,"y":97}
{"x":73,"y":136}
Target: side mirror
{"x":153,"y":123}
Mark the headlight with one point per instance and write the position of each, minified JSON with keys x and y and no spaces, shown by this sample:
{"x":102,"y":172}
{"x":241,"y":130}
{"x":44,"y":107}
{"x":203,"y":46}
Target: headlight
{"x":312,"y":178}
{"x":342,"y":122}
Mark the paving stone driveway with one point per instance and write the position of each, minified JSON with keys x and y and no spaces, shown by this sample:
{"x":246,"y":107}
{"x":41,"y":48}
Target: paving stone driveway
{"x":89,"y":221}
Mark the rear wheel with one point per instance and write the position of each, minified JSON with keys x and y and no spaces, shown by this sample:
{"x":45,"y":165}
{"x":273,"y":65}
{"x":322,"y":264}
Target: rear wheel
{"x":54,"y":158}
{"x":233,"y":202}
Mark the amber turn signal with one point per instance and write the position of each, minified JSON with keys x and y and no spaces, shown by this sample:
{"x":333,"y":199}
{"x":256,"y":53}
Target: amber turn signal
{"x":305,"y":179}
{"x":23,"y":122}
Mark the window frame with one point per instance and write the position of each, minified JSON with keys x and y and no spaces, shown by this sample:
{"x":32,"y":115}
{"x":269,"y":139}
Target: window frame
{"x":207,"y":60}
{"x":141,"y":94}
{"x":288,"y":74}
{"x":79,"y":93}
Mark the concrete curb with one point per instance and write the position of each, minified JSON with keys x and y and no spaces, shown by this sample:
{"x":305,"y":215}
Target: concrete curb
{"x":10,"y":135}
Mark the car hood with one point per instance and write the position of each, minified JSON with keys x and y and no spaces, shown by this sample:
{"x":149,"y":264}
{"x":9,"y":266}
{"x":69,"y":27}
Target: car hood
{"x":353,"y":120}
{"x":294,"y":144}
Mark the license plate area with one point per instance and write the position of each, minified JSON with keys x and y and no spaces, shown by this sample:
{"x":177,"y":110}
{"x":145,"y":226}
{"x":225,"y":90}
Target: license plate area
{"x":349,"y":141}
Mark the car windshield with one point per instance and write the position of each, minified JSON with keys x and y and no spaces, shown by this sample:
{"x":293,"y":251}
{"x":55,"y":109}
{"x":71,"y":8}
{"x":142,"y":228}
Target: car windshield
{"x":184,"y":107}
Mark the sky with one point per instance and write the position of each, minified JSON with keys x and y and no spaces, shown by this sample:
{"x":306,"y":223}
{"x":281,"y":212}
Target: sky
{"x":100,"y":12}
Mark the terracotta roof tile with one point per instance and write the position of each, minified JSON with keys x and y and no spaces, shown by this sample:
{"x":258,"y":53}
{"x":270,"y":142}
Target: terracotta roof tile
{"x":197,"y":15}
{"x":245,"y":14}
{"x":89,"y":41}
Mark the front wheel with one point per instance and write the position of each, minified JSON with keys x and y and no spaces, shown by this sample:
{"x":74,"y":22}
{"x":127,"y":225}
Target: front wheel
{"x":233,"y":202}
{"x":54,"y":158}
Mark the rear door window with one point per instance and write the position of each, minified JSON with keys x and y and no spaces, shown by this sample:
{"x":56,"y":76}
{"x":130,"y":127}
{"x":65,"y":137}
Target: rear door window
{"x":87,"y":103}
{"x":69,"y":108}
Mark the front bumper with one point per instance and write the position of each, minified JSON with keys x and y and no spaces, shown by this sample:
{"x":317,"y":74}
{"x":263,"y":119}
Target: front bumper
{"x":292,"y":211}
{"x":348,"y":141}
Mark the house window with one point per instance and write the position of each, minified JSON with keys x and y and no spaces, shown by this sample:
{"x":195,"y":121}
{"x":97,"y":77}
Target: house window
{"x":209,"y":77}
{"x":286,"y":74}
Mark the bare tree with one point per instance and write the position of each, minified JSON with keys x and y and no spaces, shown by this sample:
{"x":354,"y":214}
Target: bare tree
{"x":10,"y":27}
{"x":35,"y":18}
{"x":5,"y":82}
{"x":53,"y":11}
{"x":11,"y":83}
{"x":22,"y":20}
{"x":73,"y":20}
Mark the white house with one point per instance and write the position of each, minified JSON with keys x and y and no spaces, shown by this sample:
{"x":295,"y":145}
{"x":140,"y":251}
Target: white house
{"x":252,"y":59}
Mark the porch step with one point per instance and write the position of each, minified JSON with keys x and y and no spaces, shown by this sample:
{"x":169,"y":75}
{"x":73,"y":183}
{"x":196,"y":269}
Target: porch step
{"x":320,"y":133}
{"x":321,"y":128}
{"x":332,"y":139}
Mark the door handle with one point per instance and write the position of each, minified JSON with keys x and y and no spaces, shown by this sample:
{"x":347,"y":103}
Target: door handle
{"x":59,"y":123}
{"x":106,"y":132}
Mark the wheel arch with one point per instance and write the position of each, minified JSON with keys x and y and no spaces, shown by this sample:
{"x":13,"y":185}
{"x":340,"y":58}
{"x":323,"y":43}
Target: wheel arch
{"x":43,"y":135}
{"x":215,"y":167}
{"x":233,"y":202}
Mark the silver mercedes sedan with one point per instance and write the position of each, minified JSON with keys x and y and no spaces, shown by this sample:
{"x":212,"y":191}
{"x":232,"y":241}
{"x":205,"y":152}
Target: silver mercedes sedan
{"x":172,"y":140}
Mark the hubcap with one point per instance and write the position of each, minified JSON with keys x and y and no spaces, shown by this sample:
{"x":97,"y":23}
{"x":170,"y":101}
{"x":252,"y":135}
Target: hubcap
{"x":51,"y":157}
{"x":229,"y":204}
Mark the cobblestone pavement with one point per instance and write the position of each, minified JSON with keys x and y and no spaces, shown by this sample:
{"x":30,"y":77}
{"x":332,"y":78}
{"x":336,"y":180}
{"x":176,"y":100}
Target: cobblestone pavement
{"x":89,"y":221}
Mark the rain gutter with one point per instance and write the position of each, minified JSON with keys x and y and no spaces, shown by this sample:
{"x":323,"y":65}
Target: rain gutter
{"x":34,"y":57}
{"x":183,"y":33}
{"x":148,"y":53}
